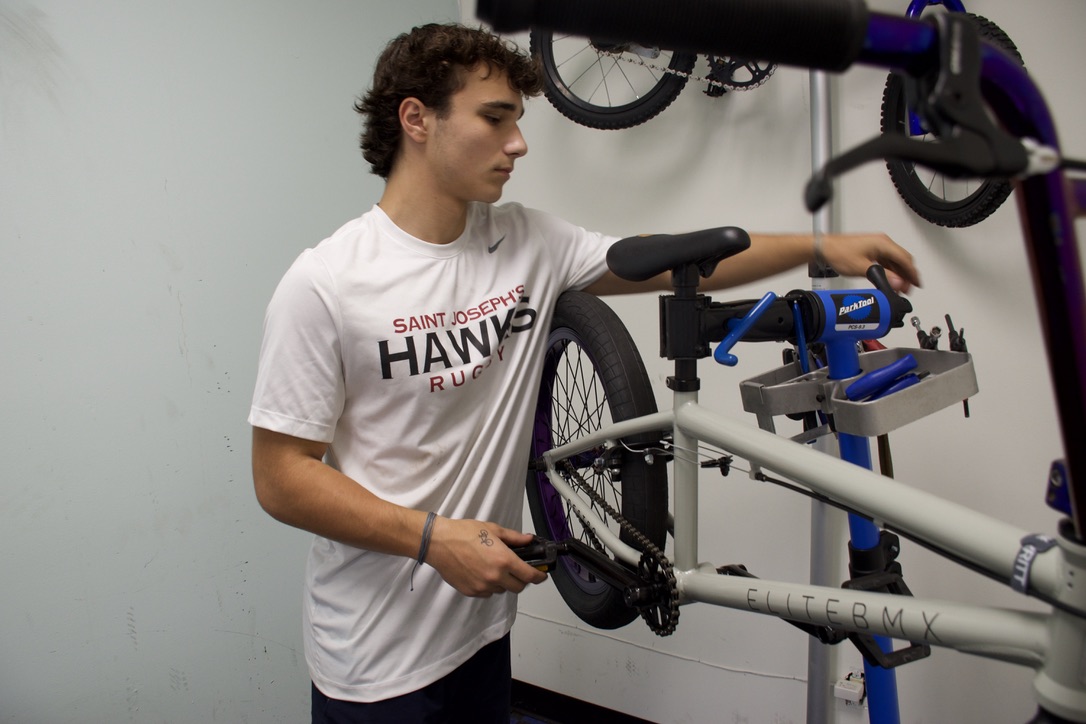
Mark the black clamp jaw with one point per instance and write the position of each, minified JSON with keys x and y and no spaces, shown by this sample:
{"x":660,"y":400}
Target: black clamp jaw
{"x":681,"y":335}
{"x":876,"y":569}
{"x":691,"y":322}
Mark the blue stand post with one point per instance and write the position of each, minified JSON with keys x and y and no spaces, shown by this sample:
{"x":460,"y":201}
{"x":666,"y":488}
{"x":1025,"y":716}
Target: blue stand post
{"x":882,"y":703}
{"x":849,"y":316}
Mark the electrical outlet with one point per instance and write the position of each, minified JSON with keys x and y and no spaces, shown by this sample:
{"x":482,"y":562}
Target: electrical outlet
{"x":850,"y":688}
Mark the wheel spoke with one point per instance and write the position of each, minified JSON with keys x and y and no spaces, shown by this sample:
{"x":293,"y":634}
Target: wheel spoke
{"x":579,"y":406}
{"x":582,"y":392}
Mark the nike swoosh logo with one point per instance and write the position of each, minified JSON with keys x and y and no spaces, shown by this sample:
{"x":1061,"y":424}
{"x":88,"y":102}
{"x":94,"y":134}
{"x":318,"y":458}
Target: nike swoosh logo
{"x":494,"y":247}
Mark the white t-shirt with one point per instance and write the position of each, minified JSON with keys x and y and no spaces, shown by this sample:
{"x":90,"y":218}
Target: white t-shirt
{"x":419,"y":364}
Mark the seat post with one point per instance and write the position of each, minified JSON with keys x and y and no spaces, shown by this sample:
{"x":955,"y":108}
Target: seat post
{"x":681,"y":322}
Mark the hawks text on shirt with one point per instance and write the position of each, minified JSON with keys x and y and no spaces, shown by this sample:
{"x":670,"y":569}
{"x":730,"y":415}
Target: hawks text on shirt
{"x":455,"y":346}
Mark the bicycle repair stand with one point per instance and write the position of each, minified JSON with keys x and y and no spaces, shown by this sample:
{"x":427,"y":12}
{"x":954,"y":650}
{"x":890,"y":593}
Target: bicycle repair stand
{"x":860,"y":396}
{"x":824,"y":536}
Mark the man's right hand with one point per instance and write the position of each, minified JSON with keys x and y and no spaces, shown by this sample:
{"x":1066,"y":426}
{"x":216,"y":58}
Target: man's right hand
{"x":474,"y":557}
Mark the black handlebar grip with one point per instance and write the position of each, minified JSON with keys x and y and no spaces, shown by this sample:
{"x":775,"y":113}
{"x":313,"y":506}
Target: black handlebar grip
{"x":822,"y":34}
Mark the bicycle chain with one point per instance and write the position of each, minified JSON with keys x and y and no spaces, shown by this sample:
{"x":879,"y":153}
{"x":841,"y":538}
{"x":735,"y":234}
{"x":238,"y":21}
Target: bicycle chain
{"x":654,"y":565}
{"x":626,"y":58}
{"x":729,"y":65}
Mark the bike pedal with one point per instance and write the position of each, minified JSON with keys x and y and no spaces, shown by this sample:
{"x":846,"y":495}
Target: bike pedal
{"x":541,"y":554}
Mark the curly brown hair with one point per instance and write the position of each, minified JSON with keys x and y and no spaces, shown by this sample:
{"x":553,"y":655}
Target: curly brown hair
{"x":428,"y":63}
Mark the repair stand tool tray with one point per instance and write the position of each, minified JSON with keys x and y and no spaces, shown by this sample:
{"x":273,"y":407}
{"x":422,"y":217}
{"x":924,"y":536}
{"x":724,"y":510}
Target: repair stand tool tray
{"x":949,"y":378}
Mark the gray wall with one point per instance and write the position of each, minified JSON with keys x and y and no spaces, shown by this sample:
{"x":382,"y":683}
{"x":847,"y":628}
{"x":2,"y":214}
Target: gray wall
{"x":161,"y":164}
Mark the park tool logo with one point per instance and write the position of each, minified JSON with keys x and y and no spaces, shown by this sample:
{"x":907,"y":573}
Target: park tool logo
{"x":855,"y":311}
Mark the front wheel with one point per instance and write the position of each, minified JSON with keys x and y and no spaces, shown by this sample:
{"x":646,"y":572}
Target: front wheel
{"x":608,"y":85}
{"x":934,"y":197}
{"x":592,"y":376}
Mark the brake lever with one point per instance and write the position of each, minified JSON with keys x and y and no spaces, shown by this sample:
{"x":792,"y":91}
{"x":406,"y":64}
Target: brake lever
{"x":951,"y":105}
{"x":951,"y":158}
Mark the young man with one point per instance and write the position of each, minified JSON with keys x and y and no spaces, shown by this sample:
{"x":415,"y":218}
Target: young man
{"x":397,"y":377}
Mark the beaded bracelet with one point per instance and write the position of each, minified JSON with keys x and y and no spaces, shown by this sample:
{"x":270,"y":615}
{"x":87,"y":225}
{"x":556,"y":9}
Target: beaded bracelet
{"x":424,"y":546}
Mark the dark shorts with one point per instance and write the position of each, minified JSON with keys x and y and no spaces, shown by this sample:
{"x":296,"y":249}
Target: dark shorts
{"x":478,"y":691}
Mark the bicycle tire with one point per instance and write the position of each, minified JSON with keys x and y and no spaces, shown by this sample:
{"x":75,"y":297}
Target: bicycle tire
{"x":592,"y":372}
{"x":946,"y":202}
{"x":607,"y":87}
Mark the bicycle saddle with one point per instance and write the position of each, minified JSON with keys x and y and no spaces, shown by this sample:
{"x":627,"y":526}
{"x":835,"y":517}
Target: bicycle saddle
{"x":637,"y":258}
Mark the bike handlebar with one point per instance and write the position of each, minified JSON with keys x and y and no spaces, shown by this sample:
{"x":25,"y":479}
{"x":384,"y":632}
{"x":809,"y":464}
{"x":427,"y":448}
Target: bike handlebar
{"x":826,"y":35}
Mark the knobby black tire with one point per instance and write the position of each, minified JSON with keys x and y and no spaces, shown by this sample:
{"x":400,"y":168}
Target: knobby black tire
{"x":594,"y":374}
{"x":599,"y":89}
{"x":922,"y":189}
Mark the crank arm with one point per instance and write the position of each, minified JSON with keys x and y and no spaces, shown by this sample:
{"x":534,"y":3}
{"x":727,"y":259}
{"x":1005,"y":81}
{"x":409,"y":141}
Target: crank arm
{"x":543,"y":554}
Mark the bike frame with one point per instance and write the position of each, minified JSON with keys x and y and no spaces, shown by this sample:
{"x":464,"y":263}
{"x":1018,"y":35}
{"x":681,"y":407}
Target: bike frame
{"x":1017,"y":636}
{"x":918,"y":6}
{"x":1052,"y":643}
{"x":1044,"y":642}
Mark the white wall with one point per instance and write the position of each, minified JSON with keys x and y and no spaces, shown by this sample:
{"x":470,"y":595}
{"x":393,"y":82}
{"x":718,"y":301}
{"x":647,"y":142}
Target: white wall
{"x":161,"y":164}
{"x":743,"y":160}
